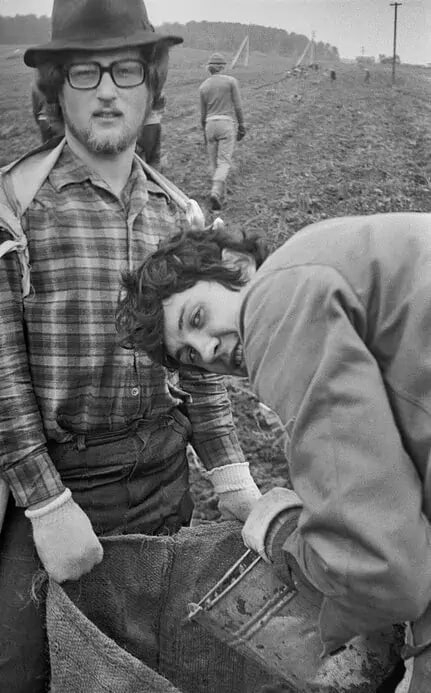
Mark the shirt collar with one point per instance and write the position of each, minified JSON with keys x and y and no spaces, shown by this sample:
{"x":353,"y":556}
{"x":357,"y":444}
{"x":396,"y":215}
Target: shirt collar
{"x":70,"y":170}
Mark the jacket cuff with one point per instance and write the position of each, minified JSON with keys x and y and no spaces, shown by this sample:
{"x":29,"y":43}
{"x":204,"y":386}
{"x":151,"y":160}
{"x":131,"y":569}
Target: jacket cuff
{"x":265,"y":511}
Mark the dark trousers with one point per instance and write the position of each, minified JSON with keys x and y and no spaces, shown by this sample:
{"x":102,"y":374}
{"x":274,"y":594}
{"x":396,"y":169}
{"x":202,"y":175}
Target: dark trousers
{"x":149,"y":142}
{"x":135,"y":485}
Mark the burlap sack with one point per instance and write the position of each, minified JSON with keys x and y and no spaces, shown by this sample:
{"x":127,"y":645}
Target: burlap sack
{"x":123,"y":627}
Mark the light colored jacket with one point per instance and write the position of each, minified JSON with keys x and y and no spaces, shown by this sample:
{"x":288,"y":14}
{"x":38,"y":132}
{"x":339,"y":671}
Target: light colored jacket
{"x":347,"y":367}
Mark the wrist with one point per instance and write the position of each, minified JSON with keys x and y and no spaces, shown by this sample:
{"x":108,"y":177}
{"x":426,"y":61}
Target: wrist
{"x":231,"y":477}
{"x":279,"y":530}
{"x":265,"y":512}
{"x":50,"y":505}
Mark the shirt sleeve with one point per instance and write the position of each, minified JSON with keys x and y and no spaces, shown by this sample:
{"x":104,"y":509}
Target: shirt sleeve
{"x":347,"y":462}
{"x":237,"y":101}
{"x":203,"y":105}
{"x":213,"y":431}
{"x":24,"y":461}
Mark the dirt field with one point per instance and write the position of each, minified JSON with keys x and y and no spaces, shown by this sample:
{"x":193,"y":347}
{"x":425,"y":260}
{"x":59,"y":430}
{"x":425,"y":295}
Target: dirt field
{"x":314,"y":149}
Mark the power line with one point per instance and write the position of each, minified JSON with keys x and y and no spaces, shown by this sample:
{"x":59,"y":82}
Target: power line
{"x":395,"y":5}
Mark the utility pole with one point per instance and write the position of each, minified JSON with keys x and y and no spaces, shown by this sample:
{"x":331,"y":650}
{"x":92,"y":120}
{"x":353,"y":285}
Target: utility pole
{"x":395,"y":5}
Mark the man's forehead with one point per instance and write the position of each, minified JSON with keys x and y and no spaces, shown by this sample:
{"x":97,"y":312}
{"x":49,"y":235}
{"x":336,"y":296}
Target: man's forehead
{"x":173,"y":312}
{"x":107,"y":56}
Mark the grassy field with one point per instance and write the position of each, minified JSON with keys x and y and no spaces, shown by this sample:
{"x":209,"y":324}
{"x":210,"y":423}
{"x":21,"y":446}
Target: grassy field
{"x":313,"y":150}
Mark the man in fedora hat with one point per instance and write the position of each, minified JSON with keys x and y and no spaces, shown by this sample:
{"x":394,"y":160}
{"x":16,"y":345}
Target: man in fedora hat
{"x":222,"y":121}
{"x":93,"y":437}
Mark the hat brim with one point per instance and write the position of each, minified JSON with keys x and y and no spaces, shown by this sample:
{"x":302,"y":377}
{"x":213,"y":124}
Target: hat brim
{"x":37,"y":54}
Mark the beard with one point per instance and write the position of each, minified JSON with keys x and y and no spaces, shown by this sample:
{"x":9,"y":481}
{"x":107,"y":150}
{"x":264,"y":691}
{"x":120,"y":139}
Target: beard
{"x":109,"y":143}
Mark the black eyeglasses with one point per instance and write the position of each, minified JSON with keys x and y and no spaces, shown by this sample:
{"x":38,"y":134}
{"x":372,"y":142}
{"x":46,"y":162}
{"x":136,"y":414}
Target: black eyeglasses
{"x":124,"y":73}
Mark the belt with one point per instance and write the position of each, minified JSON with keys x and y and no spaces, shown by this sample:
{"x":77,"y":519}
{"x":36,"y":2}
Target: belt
{"x":84,"y":441}
{"x":89,"y":440}
{"x":219,"y":117}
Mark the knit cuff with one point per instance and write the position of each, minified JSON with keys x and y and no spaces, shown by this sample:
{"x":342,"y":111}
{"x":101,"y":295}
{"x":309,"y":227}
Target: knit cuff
{"x":49,"y":507}
{"x":231,"y":477}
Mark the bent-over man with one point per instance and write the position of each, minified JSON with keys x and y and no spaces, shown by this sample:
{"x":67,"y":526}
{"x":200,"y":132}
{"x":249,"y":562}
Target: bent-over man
{"x":334,"y":332}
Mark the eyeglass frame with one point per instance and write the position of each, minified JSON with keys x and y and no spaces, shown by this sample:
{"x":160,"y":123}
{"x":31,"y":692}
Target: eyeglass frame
{"x":109,"y":70}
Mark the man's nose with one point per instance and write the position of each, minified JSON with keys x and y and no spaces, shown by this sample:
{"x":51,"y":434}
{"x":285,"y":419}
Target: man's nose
{"x":106,"y":89}
{"x":208,"y":348}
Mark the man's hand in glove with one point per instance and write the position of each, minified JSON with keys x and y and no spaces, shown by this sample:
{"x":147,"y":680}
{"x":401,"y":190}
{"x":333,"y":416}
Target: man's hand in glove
{"x":261,"y":528}
{"x":272,"y":520}
{"x":236,"y":490}
{"x":240,"y":133}
{"x":64,"y":538}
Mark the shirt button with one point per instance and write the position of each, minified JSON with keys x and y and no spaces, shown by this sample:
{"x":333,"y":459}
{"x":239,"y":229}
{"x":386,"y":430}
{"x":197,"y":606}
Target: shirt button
{"x":135,"y":391}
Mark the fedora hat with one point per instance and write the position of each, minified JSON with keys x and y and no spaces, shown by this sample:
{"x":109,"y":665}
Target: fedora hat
{"x":93,"y":25}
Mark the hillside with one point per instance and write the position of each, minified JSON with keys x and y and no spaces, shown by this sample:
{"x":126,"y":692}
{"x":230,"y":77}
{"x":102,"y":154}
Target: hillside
{"x":31,"y":30}
{"x":227,"y":36}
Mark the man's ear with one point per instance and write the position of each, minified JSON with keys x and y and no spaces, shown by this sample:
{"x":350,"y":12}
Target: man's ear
{"x":237,"y":260}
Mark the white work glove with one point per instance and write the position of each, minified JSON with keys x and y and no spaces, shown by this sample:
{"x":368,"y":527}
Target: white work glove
{"x":236,"y":490}
{"x":265,"y":511}
{"x":64,"y":538}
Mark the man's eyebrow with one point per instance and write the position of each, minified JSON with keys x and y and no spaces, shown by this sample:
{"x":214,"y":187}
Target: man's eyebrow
{"x":181,"y":320}
{"x":180,"y":327}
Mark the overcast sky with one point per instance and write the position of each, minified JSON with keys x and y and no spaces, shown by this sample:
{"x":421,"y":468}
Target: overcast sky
{"x":351,"y":25}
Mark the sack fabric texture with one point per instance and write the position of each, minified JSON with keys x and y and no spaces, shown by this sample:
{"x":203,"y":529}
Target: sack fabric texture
{"x":123,"y":628}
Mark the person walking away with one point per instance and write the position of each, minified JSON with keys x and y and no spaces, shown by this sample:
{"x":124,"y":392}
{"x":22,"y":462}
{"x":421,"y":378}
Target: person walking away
{"x":46,"y":115}
{"x":334,"y":332}
{"x":149,"y":143}
{"x":93,"y":438}
{"x":222,"y":121}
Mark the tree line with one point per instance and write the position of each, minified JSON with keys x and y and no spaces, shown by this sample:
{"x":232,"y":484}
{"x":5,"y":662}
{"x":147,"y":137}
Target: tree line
{"x":223,"y":36}
{"x":227,"y":36}
{"x":24,"y":29}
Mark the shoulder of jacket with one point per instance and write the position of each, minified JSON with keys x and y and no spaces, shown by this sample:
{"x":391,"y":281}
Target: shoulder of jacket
{"x":21,"y":179}
{"x":159,"y":183}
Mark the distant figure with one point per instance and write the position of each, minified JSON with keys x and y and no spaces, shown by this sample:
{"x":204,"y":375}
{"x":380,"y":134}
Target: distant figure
{"x":149,"y":142}
{"x":367,"y":77}
{"x":333,"y":75}
{"x":46,"y":115}
{"x":221,"y":109}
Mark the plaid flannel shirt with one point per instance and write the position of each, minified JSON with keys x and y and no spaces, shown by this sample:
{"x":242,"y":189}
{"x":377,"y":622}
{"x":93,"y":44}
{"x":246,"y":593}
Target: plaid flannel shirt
{"x":62,"y":371}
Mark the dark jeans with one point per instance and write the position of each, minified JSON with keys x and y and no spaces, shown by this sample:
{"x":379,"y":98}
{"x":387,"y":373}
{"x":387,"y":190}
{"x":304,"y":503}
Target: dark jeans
{"x":135,"y":485}
{"x":149,"y":141}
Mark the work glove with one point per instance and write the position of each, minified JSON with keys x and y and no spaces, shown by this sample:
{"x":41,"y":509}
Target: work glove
{"x":260,"y":526}
{"x":236,"y":490}
{"x":240,"y":133}
{"x":64,"y":538}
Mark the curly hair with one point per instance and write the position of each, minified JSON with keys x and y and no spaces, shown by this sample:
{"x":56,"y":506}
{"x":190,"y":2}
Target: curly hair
{"x":50,"y":72}
{"x":177,"y":265}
